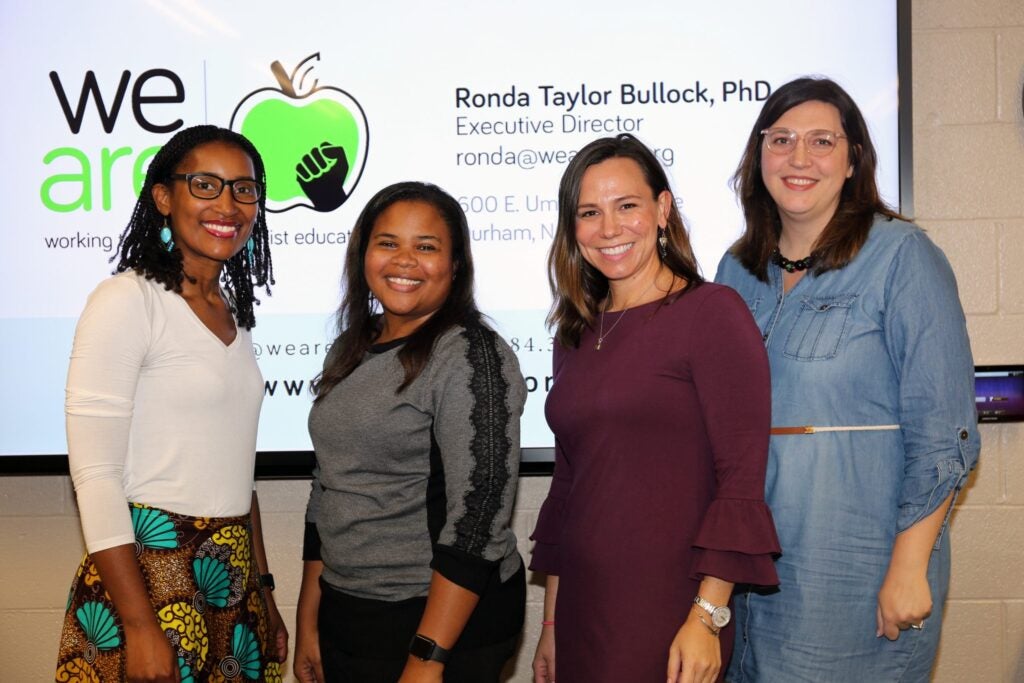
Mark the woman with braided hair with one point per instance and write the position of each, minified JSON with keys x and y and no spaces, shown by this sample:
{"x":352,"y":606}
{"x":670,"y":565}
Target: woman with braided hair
{"x":163,"y":399}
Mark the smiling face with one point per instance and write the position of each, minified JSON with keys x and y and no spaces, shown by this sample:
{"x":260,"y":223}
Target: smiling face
{"x":208,"y":231}
{"x":617,"y":219}
{"x":408,"y":265}
{"x":806,"y":188}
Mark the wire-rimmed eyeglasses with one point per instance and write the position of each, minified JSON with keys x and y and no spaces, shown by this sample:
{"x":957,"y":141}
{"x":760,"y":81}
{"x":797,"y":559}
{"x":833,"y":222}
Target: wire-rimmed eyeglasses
{"x":783,"y":141}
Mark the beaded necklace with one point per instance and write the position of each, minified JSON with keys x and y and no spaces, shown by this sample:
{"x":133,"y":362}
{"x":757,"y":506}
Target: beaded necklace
{"x":791,"y":266}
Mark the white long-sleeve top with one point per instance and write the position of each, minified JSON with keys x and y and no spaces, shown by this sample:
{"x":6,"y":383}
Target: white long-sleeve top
{"x":159,"y":411}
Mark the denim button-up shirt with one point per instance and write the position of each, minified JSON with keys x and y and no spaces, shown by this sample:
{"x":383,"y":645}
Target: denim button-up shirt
{"x":882,"y":343}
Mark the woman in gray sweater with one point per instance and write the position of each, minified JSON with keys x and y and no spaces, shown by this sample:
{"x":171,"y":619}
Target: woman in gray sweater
{"x":411,"y":568}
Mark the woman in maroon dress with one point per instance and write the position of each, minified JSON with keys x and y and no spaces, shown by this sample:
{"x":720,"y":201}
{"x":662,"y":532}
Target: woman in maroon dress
{"x":661,"y":411}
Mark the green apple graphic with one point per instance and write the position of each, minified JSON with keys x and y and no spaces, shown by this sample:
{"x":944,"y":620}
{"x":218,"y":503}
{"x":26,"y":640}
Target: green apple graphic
{"x":313,"y":139}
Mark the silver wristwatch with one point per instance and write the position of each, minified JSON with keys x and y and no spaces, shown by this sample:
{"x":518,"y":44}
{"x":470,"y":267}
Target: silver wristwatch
{"x":720,"y":616}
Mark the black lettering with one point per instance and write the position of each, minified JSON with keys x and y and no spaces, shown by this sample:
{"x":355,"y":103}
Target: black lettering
{"x":138,"y":99}
{"x":89,"y":85}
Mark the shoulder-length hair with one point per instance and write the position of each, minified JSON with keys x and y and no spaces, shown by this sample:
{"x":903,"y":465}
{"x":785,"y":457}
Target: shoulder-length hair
{"x":358,"y":320}
{"x":859,"y":199}
{"x":140,"y":248}
{"x":579,"y":288}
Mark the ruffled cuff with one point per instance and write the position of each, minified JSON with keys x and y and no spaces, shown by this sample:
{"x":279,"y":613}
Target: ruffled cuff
{"x":737,"y":542}
{"x":547,"y":537}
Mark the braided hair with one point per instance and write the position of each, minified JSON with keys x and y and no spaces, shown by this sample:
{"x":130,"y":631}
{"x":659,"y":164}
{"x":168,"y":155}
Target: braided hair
{"x":140,"y":248}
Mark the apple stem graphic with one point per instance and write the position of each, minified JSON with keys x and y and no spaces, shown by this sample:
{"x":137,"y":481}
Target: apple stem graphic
{"x":282,"y":79}
{"x":287,"y":82}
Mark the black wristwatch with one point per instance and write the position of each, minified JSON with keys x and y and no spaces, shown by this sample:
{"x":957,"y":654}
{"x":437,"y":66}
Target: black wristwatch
{"x":267,"y":581}
{"x":427,"y":650}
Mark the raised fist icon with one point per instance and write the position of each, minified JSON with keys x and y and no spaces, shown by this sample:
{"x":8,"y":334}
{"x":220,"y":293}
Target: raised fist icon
{"x":321,"y":175}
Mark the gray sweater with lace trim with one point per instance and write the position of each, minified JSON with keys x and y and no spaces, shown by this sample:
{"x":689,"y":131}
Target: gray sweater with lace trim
{"x":419,"y":480}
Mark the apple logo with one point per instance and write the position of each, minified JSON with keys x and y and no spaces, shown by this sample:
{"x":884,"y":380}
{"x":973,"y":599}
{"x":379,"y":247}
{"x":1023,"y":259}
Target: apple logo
{"x":313,"y":139}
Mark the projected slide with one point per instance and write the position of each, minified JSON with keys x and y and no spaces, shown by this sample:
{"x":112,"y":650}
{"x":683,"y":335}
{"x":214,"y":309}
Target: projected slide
{"x":999,"y":393}
{"x":488,"y":100}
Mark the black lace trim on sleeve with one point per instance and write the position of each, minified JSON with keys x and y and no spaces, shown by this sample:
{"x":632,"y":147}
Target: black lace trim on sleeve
{"x":490,"y":445}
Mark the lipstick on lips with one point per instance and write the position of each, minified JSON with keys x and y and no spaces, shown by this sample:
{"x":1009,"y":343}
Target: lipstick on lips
{"x":223,"y":229}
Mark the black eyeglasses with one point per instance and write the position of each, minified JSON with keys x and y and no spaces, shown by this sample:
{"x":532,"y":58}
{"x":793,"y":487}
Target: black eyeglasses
{"x":208,"y":186}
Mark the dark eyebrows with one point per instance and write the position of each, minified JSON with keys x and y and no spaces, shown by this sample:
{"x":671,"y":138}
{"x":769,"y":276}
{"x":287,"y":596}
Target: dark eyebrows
{"x":242,"y":177}
{"x":614,"y":200}
{"x":393,"y":236}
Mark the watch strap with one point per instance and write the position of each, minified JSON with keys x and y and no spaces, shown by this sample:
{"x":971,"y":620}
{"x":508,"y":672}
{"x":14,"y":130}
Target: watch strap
{"x":720,"y":615}
{"x":705,"y":605}
{"x":267,"y":581}
{"x":427,"y":650}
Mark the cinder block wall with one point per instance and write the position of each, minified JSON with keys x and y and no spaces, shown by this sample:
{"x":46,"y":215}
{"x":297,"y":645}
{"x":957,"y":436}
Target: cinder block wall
{"x":969,"y":194}
{"x":968,"y":66}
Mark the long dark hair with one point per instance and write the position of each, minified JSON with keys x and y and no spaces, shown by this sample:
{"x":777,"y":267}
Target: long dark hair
{"x":358,"y":320}
{"x":579,"y":288}
{"x":141,"y":250}
{"x":859,"y":200}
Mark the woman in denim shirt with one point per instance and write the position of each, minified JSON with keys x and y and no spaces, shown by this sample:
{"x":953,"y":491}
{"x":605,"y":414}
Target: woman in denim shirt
{"x":874,"y":424}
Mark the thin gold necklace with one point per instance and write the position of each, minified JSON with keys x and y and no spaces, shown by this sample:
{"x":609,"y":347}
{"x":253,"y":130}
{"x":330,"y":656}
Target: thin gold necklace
{"x":602,"y":335}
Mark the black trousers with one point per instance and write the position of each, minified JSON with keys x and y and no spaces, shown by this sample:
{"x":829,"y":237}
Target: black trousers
{"x":367,"y":641}
{"x":478,"y":665}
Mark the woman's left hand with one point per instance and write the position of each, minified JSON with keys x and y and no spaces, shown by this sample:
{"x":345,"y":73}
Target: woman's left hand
{"x":695,"y":655}
{"x":277,"y":628}
{"x":904,"y":601}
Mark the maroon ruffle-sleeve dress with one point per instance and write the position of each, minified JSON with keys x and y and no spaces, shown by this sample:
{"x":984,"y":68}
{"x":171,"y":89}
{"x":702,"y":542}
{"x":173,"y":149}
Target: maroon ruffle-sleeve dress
{"x":661,"y":447}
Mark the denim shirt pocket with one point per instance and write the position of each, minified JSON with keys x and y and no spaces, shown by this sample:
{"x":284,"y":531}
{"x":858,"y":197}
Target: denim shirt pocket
{"x":819,"y":327}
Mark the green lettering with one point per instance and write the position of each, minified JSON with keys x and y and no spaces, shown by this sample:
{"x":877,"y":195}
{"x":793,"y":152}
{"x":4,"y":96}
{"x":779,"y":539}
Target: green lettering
{"x":139,"y":171}
{"x":107,"y":159}
{"x":84,"y":200}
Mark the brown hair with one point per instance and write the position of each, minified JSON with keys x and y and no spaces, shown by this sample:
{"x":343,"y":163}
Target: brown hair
{"x":579,"y":288}
{"x":358,"y":322}
{"x":859,"y":199}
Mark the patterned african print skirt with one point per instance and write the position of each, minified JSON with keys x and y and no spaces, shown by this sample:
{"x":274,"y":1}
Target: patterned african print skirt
{"x":204,"y":585}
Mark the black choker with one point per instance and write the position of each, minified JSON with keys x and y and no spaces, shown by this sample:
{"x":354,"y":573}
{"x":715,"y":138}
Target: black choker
{"x":791,"y":266}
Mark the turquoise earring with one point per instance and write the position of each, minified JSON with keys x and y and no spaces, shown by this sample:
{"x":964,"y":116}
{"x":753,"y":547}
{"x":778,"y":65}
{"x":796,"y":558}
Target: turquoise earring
{"x":166,"y":237}
{"x":250,"y":247}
